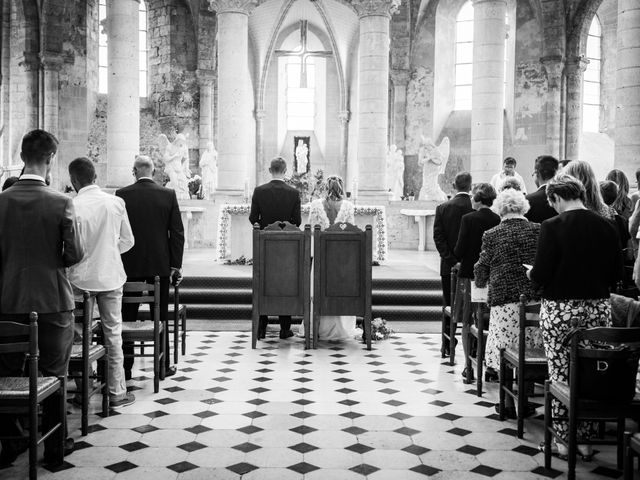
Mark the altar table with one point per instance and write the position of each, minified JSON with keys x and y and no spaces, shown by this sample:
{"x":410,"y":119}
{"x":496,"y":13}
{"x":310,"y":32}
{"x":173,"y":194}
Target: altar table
{"x":424,"y":219}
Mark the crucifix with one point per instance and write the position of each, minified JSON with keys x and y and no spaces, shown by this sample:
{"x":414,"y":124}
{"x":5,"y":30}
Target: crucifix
{"x":303,"y":53}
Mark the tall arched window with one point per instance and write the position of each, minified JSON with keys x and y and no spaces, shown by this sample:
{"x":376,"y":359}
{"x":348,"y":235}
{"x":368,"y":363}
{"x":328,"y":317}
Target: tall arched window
{"x":301,"y":93}
{"x":103,"y":60}
{"x":591,"y":84}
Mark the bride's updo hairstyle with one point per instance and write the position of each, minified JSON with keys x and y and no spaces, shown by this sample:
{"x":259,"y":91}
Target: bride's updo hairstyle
{"x":335,"y":187}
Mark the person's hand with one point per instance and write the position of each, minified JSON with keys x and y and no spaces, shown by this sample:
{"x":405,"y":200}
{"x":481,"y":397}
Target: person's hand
{"x":176,"y":276}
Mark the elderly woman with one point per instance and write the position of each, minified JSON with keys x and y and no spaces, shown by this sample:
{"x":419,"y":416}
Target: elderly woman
{"x":577,"y":263}
{"x":504,"y":249}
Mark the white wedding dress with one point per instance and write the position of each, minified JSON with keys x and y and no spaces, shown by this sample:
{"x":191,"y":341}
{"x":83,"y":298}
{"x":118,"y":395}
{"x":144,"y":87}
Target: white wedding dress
{"x":325,"y":213}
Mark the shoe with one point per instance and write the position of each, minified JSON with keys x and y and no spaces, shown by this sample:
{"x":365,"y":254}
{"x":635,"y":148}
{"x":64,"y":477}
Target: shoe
{"x":557,"y":450}
{"x":11,"y":450}
{"x":284,"y":334}
{"x":51,"y":460}
{"x":121,"y":400}
{"x":169,"y":371}
{"x":491,"y":376}
{"x":262,"y":329}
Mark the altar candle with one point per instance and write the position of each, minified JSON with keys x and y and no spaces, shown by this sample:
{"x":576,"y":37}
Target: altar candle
{"x":354,"y":192}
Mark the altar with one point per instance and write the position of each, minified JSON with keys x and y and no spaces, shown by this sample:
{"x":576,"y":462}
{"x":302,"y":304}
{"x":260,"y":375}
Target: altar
{"x":235,"y":232}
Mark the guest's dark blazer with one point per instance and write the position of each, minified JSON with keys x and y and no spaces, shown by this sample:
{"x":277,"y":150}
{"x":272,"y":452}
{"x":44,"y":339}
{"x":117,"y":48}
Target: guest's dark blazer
{"x":157,"y":227}
{"x":446,"y":227}
{"x":275,"y":202}
{"x":469,"y":243}
{"x":578,"y":257}
{"x":38,"y":240}
{"x":540,"y":209}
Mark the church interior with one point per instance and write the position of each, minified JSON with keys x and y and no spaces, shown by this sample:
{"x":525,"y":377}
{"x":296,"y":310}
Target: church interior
{"x":396,"y":97}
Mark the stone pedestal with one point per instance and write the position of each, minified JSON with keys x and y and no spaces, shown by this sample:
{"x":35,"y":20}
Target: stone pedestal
{"x":234,"y":95}
{"x":627,"y":136}
{"x":574,"y":73}
{"x":123,"y":113}
{"x":553,"y":66}
{"x":373,"y":94}
{"x":487,"y":112}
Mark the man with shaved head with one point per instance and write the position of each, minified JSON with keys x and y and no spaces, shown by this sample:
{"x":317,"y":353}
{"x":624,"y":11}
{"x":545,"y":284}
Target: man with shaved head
{"x":157,"y":227}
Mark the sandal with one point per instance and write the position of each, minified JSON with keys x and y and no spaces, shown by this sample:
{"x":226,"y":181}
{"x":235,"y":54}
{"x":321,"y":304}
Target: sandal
{"x":555,"y":451}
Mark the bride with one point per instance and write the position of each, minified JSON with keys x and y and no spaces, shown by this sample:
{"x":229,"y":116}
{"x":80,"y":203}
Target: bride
{"x":325,"y":212}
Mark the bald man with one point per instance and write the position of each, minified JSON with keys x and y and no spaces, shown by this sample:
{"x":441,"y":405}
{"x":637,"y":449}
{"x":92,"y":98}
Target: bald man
{"x":157,"y":227}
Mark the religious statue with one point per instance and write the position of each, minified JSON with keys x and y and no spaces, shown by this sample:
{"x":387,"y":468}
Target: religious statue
{"x":209,"y":171}
{"x":302,"y":156}
{"x":395,"y":173}
{"x":174,"y":156}
{"x":434,"y":162}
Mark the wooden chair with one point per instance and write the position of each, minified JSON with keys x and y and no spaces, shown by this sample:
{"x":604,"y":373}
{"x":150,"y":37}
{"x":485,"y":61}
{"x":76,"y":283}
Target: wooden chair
{"x":449,"y":334}
{"x":601,"y":388}
{"x":281,"y":274}
{"x":23,"y":395}
{"x":177,"y":328}
{"x":631,"y":451}
{"x":479,"y":331}
{"x":82,"y":358}
{"x":342,"y":274}
{"x":146,"y":333}
{"x":528,"y":364}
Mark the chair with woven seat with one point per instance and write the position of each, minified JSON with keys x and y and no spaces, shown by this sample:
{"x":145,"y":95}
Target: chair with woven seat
{"x":23,"y":395}
{"x":449,"y":333}
{"x":82,"y":358}
{"x":601,"y":387}
{"x":528,"y":364}
{"x":479,"y":330}
{"x":146,"y":333}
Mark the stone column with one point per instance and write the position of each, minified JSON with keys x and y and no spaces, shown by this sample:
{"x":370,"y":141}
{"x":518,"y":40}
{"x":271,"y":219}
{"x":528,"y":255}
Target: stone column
{"x":373,"y":94}
{"x":50,"y":65}
{"x":206,"y":79}
{"x":554,"y":65}
{"x":343,"y":116}
{"x":627,"y":134}
{"x":400,"y":79}
{"x":234,"y":94}
{"x":29,"y":84}
{"x":574,"y":74}
{"x":123,"y":112}
{"x":261,"y":168}
{"x":5,"y":57}
{"x":487,"y":107}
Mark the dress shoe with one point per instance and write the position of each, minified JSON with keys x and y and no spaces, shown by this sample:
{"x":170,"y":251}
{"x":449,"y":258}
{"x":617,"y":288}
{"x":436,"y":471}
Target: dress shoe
{"x":51,"y":459}
{"x":169,"y":371}
{"x":285,"y":334}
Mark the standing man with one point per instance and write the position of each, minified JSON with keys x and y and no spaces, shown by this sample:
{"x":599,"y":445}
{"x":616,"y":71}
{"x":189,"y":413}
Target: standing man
{"x":106,"y":234}
{"x":159,"y":235}
{"x":275,"y":202}
{"x":38,"y":240}
{"x":446,"y":228}
{"x":508,"y":171}
{"x":544,"y":169}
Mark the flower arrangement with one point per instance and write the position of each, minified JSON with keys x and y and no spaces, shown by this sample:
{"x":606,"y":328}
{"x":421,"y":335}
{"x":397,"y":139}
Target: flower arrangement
{"x":242,"y":260}
{"x":309,"y":185}
{"x":379,"y":330}
{"x":195,"y":186}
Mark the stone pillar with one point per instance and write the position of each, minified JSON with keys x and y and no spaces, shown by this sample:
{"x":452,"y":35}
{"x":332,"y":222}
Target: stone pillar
{"x":28,"y":82}
{"x":400,"y":79}
{"x":5,"y":57}
{"x":50,"y":65}
{"x":234,"y":95}
{"x":627,"y":134}
{"x":206,"y":79}
{"x":123,"y":113}
{"x":574,"y":73}
{"x":261,"y":168}
{"x":487,"y":107}
{"x":343,"y":116}
{"x":373,"y":94}
{"x":554,"y":65}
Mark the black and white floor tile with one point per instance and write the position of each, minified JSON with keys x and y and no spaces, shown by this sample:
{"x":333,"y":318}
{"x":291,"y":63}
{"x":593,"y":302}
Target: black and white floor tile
{"x":280,"y":412}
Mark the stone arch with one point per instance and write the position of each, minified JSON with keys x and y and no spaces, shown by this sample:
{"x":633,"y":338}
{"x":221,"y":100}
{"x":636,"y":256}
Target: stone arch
{"x":28,"y":17}
{"x":579,"y":29}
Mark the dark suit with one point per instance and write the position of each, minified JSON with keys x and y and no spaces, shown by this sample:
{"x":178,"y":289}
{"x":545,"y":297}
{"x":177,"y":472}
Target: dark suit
{"x":540,"y":209}
{"x":275,"y":202}
{"x":38,"y":240}
{"x":469,"y":243}
{"x":446,"y":227}
{"x":157,"y":227}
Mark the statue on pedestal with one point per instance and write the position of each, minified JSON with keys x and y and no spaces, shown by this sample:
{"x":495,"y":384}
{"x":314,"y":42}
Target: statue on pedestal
{"x":302,"y":156}
{"x":395,"y":173}
{"x":174,"y":156}
{"x":434,"y":162}
{"x":209,"y":171}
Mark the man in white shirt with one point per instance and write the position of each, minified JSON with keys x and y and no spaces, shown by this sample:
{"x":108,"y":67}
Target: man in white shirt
{"x":105,"y":231}
{"x":508,"y":171}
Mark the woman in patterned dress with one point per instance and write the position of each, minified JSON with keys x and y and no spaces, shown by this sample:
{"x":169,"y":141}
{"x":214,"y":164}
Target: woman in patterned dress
{"x":505,"y":249}
{"x":577,"y":262}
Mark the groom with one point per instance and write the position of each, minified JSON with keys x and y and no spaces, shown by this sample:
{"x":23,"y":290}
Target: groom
{"x":275,"y":202}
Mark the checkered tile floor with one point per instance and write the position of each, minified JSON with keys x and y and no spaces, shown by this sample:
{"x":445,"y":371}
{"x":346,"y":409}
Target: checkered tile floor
{"x":280,"y":412}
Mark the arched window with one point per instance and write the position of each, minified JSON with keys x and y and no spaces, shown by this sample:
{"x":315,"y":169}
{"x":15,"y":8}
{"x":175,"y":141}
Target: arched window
{"x":591,"y":84}
{"x":301,"y":93}
{"x":103,"y":59}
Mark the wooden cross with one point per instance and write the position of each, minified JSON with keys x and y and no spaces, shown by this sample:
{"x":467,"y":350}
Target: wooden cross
{"x":303,"y":53}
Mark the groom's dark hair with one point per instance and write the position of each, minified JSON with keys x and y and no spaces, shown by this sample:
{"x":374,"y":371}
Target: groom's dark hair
{"x":278,"y":165}
{"x":462,"y":182}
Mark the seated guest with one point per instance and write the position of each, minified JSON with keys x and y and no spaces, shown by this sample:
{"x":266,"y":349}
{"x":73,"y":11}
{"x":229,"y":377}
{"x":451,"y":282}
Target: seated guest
{"x":467,"y":249}
{"x":106,"y":234}
{"x":593,"y":199}
{"x":544,"y":170}
{"x":577,"y":263}
{"x":9,"y":182}
{"x":504,"y":250}
{"x":622,"y":203}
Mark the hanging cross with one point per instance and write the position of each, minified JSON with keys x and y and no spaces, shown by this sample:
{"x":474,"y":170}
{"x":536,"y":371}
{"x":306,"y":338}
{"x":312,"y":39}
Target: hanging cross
{"x":303,"y":53}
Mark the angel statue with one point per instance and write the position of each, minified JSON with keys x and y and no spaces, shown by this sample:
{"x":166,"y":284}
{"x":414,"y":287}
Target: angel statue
{"x":395,"y":173}
{"x":174,"y":156}
{"x":434,"y":162}
{"x":209,"y":171}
